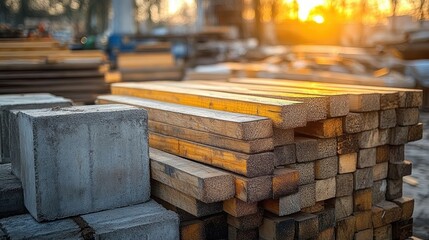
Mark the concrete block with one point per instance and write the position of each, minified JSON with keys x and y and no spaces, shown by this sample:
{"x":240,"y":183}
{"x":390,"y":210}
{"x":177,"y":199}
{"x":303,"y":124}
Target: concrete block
{"x":26,"y":227}
{"x":22,"y":101}
{"x":11,"y":195}
{"x":143,"y":221}
{"x":83,"y":159}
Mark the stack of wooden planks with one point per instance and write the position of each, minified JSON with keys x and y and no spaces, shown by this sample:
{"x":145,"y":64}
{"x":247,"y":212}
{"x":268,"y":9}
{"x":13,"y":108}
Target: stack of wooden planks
{"x":151,"y":62}
{"x":279,"y":159}
{"x":45,"y":66}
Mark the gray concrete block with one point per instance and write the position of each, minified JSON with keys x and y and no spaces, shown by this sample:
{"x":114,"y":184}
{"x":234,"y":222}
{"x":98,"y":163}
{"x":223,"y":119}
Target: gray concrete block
{"x":11,"y":195}
{"x":25,"y":227}
{"x":143,"y":221}
{"x":22,"y":101}
{"x":78,"y":160}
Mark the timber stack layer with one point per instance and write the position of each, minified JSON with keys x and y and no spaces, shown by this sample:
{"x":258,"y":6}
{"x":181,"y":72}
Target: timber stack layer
{"x":31,"y":66}
{"x":279,"y":159}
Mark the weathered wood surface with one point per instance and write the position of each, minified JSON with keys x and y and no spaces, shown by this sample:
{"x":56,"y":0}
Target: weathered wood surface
{"x":283,"y":113}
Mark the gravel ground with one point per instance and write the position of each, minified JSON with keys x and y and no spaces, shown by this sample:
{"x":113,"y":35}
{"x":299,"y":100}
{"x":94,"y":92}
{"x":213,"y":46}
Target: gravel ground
{"x":418,"y":153}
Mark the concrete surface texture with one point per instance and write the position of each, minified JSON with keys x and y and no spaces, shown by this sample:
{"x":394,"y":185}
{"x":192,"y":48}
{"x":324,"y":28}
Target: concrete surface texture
{"x":84,"y":159}
{"x":22,"y":101}
{"x":143,"y":221}
{"x":25,"y":227}
{"x":11,"y":195}
{"x":417,"y":186}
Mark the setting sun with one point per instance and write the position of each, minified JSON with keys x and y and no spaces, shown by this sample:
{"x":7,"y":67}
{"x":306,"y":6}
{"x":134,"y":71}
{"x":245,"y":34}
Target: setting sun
{"x":305,"y":7}
{"x":319,"y":19}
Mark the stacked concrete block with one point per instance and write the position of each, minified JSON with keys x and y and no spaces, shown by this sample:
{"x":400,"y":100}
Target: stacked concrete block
{"x":84,"y":159}
{"x":143,"y":221}
{"x":12,"y":102}
{"x":11,"y":194}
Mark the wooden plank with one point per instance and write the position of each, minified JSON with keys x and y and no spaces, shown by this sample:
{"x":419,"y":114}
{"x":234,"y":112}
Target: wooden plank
{"x":383,"y":232}
{"x":385,"y":213}
{"x":387,"y":118}
{"x":360,"y":122}
{"x":283,"y":113}
{"x":327,"y":234}
{"x":325,"y":189}
{"x":183,"y":201}
{"x":363,"y":178}
{"x":316,"y":106}
{"x":362,"y":200}
{"x":238,"y":208}
{"x":382,"y":154}
{"x":343,"y":207}
{"x":407,"y":206}
{"x":337,"y":104}
{"x":347,"y":163}
{"x":346,"y":228}
{"x":246,"y":222}
{"x":344,"y":185}
{"x":379,"y":191}
{"x":326,"y":168}
{"x":211,"y":139}
{"x":326,"y":218}
{"x":407,"y":116}
{"x":307,"y":195}
{"x":309,"y":149}
{"x":380,"y":171}
{"x":276,"y":228}
{"x":306,"y":225}
{"x":329,"y":128}
{"x":363,"y":220}
{"x":253,"y":189}
{"x":398,"y":135}
{"x":402,"y":229}
{"x":394,"y":189}
{"x":399,"y":170}
{"x":234,"y":125}
{"x":282,"y":137}
{"x":199,"y":181}
{"x":191,"y":230}
{"x":374,"y":138}
{"x":396,"y":154}
{"x":364,"y":234}
{"x":284,"y":155}
{"x":248,"y":165}
{"x":415,"y":132}
{"x":348,"y":143}
{"x":367,"y":157}
{"x":238,"y":234}
{"x":283,"y":206}
{"x":306,"y":172}
{"x":360,"y":100}
{"x":285,"y":182}
{"x":317,"y":207}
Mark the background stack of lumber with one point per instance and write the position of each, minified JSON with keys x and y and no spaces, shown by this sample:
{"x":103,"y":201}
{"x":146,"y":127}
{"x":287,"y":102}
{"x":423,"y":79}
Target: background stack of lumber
{"x":329,"y":164}
{"x":30,"y":66}
{"x":151,"y":62}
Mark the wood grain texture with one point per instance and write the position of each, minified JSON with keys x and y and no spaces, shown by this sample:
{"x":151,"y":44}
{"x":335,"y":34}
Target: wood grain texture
{"x":248,"y":165}
{"x":283,"y":113}
{"x":197,"y":180}
{"x":239,"y":126}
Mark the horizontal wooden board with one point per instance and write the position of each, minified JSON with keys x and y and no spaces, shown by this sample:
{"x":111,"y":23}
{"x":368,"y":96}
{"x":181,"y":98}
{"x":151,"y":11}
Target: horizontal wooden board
{"x":197,"y":180}
{"x":254,"y":165}
{"x":283,"y":113}
{"x":234,"y":125}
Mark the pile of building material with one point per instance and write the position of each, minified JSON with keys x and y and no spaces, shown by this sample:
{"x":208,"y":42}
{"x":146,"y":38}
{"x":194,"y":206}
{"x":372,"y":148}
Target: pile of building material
{"x":279,"y":159}
{"x":149,"y":63}
{"x":44,"y":66}
{"x":82,"y":172}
